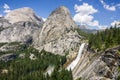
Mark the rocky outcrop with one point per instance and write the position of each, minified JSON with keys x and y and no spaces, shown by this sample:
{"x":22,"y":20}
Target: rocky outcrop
{"x":25,"y":14}
{"x":58,"y":34}
{"x":4,"y":23}
{"x":20,"y":32}
{"x":20,"y":25}
{"x":7,"y":57}
{"x":100,"y":66}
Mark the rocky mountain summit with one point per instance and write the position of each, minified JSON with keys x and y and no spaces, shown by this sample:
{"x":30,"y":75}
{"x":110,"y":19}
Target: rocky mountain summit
{"x":58,"y":34}
{"x":25,"y":14}
{"x":20,"y":25}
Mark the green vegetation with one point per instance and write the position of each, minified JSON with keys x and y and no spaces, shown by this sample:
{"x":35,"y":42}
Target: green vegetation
{"x":14,"y":43}
{"x":118,"y":78}
{"x":79,"y":79}
{"x":82,"y":33}
{"x":2,"y":44}
{"x":105,"y":39}
{"x":27,"y":69}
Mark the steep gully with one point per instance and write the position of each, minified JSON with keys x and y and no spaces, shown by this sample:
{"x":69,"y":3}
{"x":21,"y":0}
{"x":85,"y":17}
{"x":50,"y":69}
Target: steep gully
{"x":75,"y":62}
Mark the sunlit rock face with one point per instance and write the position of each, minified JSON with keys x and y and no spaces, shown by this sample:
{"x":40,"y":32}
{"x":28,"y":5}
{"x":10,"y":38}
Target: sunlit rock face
{"x":19,"y":32}
{"x":23,"y":14}
{"x":20,"y":25}
{"x":58,"y":34}
{"x":100,"y":66}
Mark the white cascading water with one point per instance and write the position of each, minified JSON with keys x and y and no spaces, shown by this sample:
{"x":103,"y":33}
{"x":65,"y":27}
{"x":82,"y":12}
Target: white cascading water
{"x":74,"y":63}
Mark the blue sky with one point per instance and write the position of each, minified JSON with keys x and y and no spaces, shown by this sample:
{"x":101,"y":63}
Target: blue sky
{"x":93,"y":13}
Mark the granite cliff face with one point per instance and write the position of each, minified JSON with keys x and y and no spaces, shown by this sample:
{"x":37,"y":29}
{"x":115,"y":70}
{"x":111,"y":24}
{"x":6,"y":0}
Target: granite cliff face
{"x":4,"y":23}
{"x":19,"y":32}
{"x":20,"y":25}
{"x":23,"y":14}
{"x":101,"y":66}
{"x":58,"y":34}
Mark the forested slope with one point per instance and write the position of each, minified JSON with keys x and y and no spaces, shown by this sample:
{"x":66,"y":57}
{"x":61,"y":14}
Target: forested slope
{"x":105,"y":39}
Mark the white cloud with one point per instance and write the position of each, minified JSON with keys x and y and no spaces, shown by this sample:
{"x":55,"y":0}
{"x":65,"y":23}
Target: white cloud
{"x":94,"y":23}
{"x":6,"y":11}
{"x":6,"y":8}
{"x":115,"y":23}
{"x":118,"y":5}
{"x":80,"y":0}
{"x":108,"y":7}
{"x":44,"y":19}
{"x":1,"y":15}
{"x":102,"y":27}
{"x":112,"y":8}
{"x":85,"y":9}
{"x":84,"y":15}
{"x":82,"y":18}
